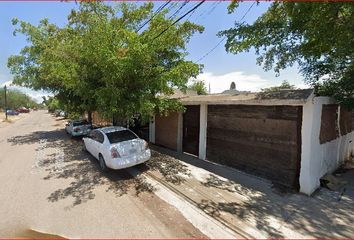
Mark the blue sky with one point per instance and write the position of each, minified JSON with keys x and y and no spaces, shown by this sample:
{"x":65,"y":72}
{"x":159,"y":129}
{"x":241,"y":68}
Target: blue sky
{"x":220,"y":68}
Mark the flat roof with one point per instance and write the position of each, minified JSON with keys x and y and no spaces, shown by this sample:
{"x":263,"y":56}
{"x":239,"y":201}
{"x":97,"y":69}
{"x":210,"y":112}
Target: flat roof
{"x":282,"y":97}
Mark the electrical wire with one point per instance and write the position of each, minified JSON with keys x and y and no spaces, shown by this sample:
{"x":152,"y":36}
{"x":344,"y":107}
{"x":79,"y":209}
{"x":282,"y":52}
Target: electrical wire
{"x":179,"y":9}
{"x":157,"y":12}
{"x":217,"y":45}
{"x":180,"y":18}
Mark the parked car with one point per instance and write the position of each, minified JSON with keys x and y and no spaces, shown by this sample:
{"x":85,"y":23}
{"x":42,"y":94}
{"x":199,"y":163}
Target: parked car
{"x":78,"y":127}
{"x":11,"y":112}
{"x":57,"y":113}
{"x":23,"y":110}
{"x":116,"y":147}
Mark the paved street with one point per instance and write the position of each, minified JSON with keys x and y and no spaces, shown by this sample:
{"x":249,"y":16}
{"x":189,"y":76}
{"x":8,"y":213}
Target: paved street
{"x":50,"y":185}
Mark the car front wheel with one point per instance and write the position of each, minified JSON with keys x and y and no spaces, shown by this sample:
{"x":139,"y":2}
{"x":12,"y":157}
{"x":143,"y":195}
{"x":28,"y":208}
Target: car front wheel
{"x":102,"y":163}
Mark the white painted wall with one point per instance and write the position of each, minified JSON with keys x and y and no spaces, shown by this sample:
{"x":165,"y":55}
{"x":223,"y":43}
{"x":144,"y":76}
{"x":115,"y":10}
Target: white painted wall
{"x":318,"y":159}
{"x":180,"y":132}
{"x":203,"y":131}
{"x":152,"y":130}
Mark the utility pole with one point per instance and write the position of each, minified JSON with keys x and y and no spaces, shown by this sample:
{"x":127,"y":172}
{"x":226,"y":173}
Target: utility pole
{"x":5,"y":102}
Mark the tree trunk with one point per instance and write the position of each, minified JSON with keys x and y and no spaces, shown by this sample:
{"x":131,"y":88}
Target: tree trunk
{"x":89,"y":116}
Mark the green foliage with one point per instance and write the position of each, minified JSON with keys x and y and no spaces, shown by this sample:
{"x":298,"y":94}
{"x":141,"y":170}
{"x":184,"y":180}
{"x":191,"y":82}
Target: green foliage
{"x":51,"y":103}
{"x":98,"y":60}
{"x":199,"y":87}
{"x":318,"y":36}
{"x":16,"y":99}
{"x":284,"y":85}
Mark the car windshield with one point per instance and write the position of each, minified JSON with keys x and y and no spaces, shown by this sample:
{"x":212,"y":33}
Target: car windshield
{"x":120,"y":136}
{"x":78,"y":123}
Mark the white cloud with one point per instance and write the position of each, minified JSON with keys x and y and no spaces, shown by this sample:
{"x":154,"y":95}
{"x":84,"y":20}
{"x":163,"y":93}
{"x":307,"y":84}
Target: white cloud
{"x":244,"y":82}
{"x":36,"y":95}
{"x":7,"y":83}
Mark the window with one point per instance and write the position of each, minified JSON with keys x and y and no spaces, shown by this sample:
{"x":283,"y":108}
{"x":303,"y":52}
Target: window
{"x":120,"y":136}
{"x":79,"y":123}
{"x":99,"y":137}
{"x":93,"y":135}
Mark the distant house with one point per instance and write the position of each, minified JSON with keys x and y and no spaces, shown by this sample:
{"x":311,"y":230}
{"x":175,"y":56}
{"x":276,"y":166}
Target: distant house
{"x":291,"y":137}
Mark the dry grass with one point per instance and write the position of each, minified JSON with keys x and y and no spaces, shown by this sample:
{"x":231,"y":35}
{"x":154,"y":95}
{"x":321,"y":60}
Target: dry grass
{"x":10,"y":119}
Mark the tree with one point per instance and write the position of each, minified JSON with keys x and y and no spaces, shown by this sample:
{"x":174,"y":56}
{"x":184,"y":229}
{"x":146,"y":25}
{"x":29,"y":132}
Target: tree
{"x":285,"y":85}
{"x":16,"y":99}
{"x":51,"y":103}
{"x":100,"y":61}
{"x":199,"y":87}
{"x":318,"y":36}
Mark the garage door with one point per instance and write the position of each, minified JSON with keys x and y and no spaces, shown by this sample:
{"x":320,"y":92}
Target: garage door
{"x":261,"y":140}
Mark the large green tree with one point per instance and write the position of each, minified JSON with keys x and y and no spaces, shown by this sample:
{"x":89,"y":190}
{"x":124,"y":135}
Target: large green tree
{"x":16,"y":99}
{"x":100,"y":61}
{"x":318,"y":36}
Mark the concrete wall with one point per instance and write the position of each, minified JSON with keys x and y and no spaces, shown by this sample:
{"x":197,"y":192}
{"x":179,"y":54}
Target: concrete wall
{"x":318,"y":159}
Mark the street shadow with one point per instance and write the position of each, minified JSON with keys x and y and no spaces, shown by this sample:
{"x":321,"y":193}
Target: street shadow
{"x":171,"y":169}
{"x":62,"y":157}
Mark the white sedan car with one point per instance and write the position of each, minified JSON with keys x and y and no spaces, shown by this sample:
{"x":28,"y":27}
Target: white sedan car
{"x":116,"y":147}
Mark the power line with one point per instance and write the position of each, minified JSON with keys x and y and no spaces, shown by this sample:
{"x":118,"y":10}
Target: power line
{"x":211,"y":50}
{"x":179,"y":9}
{"x":157,"y":12}
{"x":213,"y":8}
{"x":190,"y":15}
{"x":180,"y":18}
{"x":209,"y":10}
{"x":217,"y":45}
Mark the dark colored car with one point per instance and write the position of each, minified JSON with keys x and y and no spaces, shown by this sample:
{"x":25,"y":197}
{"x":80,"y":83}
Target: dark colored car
{"x":23,"y":110}
{"x":11,"y":112}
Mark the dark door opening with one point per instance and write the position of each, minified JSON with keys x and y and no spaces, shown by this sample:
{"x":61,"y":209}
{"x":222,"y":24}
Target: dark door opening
{"x":191,"y":122}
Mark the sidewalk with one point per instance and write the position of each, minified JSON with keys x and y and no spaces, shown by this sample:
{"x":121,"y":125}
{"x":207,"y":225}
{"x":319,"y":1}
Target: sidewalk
{"x":251,"y":206}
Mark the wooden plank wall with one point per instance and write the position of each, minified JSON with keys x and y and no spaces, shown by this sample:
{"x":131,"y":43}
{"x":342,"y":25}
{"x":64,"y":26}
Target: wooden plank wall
{"x":346,"y":121}
{"x":329,"y":123}
{"x":261,"y":140}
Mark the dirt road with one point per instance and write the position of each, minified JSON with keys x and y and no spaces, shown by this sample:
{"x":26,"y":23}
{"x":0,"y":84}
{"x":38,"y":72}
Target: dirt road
{"x":49,"y":184}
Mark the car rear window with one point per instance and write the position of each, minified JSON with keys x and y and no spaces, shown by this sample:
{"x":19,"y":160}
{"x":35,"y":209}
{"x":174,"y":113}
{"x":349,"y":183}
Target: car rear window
{"x":80,"y":123}
{"x":120,"y":136}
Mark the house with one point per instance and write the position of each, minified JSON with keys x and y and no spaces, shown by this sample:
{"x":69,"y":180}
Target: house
{"x":291,"y":137}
